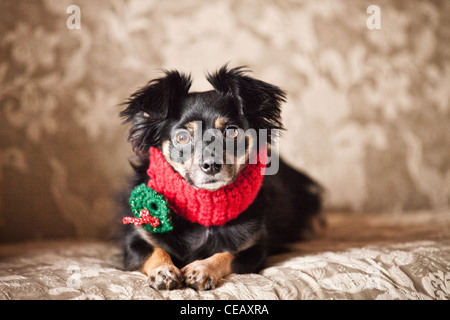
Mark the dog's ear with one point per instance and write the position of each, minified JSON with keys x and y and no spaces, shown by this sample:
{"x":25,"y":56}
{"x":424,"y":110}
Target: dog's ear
{"x":258,"y":101}
{"x":148,"y":109}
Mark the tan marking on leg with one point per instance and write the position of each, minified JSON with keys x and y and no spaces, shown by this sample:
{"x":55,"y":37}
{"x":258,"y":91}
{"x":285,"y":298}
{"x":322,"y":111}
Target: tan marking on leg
{"x":162,"y":273}
{"x":205,"y":274}
{"x":158,"y":258}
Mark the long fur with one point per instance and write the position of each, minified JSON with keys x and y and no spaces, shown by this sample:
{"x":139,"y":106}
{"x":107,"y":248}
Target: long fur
{"x":285,"y":206}
{"x":148,"y":109}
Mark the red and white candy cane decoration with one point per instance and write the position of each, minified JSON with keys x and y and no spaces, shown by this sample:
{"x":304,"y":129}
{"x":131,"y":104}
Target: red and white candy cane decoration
{"x":145,"y":218}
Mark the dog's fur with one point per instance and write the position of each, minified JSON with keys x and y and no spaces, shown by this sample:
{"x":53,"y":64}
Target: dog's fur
{"x":192,"y":254}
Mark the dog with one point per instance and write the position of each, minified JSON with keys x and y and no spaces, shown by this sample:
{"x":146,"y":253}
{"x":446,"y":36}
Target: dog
{"x":165,"y":118}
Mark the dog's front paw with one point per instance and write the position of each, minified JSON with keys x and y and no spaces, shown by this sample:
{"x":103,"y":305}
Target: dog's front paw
{"x":198,"y":276}
{"x":166,"y":277}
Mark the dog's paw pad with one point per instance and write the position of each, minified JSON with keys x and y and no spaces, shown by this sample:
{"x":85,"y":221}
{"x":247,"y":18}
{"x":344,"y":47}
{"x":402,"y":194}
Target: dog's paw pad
{"x":167,"y":277}
{"x":199,"y":277}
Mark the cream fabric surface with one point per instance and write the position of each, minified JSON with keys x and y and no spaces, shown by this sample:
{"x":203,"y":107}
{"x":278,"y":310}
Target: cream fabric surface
{"x":360,"y":257}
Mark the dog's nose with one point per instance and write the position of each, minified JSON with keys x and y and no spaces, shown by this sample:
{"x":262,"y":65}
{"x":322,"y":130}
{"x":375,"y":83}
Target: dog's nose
{"x":209,"y":166}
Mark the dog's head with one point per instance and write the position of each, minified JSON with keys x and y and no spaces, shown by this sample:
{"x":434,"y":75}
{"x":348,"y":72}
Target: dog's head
{"x":205,"y":136}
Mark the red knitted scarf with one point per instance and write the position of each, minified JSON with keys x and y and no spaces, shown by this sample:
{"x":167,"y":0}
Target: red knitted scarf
{"x":203,"y":206}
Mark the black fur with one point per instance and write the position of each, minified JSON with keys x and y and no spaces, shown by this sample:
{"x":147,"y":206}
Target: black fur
{"x":258,"y":101}
{"x":149,"y":108}
{"x":285,"y":205}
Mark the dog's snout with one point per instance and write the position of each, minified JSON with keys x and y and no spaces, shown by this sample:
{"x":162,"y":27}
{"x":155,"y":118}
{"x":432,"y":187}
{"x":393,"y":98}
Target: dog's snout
{"x":210,"y":166}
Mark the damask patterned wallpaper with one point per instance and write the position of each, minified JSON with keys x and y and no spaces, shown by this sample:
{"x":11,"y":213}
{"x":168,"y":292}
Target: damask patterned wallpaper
{"x":367,"y":113}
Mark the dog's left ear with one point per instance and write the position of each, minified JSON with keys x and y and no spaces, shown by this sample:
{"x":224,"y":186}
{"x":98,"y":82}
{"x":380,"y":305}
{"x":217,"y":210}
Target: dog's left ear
{"x":258,"y":101}
{"x":149,"y":108}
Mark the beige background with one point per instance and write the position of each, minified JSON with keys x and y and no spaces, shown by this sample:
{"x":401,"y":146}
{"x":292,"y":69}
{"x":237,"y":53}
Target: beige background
{"x":367,"y":113}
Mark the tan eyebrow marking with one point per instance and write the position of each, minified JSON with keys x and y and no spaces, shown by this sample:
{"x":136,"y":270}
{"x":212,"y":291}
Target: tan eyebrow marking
{"x":219,"y":123}
{"x":192,"y":126}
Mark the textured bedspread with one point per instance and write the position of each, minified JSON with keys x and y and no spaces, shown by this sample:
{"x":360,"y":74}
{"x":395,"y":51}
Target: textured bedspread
{"x":359,"y":257}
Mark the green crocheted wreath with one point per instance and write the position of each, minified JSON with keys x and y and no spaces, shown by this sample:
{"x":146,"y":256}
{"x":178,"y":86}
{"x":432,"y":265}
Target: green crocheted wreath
{"x":150,"y":209}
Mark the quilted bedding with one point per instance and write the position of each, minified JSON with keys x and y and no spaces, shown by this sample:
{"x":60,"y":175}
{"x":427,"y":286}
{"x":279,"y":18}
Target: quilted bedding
{"x":359,"y":257}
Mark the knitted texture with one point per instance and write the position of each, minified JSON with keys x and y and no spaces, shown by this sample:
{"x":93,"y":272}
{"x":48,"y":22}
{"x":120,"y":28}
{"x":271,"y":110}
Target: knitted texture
{"x":150,"y":209}
{"x":203,"y":206}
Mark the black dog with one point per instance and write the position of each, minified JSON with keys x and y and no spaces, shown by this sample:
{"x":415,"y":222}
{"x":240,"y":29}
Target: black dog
{"x":194,"y":254}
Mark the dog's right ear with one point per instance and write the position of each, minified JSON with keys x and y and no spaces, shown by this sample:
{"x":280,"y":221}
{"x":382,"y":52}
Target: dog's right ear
{"x":148,"y":109}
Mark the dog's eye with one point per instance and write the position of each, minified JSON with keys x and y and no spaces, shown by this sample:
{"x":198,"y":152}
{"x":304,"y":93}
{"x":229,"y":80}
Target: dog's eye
{"x":183,"y":137}
{"x":231,"y":132}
